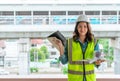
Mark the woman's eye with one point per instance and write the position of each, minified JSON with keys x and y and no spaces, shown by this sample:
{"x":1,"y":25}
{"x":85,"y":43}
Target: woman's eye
{"x":80,"y":26}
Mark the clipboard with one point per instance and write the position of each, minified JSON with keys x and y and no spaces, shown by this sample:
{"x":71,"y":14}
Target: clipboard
{"x":56,"y":36}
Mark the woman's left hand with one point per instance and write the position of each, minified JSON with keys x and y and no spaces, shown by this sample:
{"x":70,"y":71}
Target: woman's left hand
{"x":98,"y":62}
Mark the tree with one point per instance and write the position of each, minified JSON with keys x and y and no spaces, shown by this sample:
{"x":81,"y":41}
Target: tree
{"x":41,"y":56}
{"x":108,"y":51}
{"x":36,"y":55}
{"x":45,"y":51}
{"x":32,"y":54}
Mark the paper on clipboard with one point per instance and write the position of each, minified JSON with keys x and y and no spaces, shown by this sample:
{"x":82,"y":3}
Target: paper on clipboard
{"x":90,"y":61}
{"x":97,"y":56}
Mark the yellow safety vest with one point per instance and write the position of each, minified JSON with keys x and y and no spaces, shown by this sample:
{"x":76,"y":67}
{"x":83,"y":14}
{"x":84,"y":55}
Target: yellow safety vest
{"x":78,"y":69}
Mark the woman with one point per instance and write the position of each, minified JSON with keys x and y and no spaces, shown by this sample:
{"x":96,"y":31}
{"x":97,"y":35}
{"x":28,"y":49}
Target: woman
{"x":78,"y":50}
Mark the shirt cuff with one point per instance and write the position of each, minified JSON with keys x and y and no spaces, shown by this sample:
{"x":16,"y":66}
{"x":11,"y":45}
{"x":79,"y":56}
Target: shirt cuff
{"x":62,"y":57}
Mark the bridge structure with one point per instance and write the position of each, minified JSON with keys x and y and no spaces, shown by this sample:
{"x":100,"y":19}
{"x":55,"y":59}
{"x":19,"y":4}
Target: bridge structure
{"x":100,"y":31}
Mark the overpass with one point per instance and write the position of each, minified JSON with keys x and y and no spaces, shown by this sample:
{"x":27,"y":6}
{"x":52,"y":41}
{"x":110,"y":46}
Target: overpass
{"x":111,"y":31}
{"x":42,"y":31}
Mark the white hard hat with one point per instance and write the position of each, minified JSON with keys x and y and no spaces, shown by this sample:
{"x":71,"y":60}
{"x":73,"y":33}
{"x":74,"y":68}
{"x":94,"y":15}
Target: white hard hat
{"x":82,"y":18}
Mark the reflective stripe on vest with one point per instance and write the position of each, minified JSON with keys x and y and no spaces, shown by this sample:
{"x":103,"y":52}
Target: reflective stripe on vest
{"x":80,"y":73}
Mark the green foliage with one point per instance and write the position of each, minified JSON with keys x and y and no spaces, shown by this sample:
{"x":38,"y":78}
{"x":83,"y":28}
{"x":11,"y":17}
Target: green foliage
{"x":108,"y":51}
{"x":65,"y":69}
{"x":39,"y":54}
{"x":32,"y":51}
{"x":105,"y":43}
{"x":57,"y":59}
{"x":34,"y":69}
{"x":110,"y":55}
{"x":45,"y":51}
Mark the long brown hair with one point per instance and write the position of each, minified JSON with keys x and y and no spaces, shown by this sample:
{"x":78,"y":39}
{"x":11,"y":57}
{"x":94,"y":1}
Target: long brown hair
{"x":89,"y":35}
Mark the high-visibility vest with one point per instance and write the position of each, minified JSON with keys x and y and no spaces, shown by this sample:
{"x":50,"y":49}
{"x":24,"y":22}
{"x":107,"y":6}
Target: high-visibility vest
{"x":77,"y":70}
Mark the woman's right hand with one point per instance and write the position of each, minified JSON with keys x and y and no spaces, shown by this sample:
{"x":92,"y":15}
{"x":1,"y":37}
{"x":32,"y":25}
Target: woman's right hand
{"x":60,"y":45}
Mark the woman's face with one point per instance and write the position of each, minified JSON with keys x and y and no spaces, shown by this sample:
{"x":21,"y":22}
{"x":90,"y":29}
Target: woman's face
{"x":82,"y":28}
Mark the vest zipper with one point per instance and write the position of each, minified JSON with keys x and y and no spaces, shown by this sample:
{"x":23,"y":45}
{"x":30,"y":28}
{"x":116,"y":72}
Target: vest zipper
{"x":84,"y":76}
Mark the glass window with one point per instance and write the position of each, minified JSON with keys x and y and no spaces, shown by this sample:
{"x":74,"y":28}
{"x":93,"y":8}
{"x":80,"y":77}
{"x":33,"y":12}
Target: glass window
{"x":94,"y":19}
{"x":94,"y":16}
{"x":40,"y":13}
{"x":75,"y":12}
{"x":109,"y":17}
{"x":72,"y":19}
{"x":92,"y":12}
{"x":40,"y":17}
{"x":19,"y":13}
{"x":72,"y":16}
{"x":109,"y":12}
{"x":119,"y":18}
{"x":6,"y":18}
{"x":23,"y":17}
{"x":58,"y":17}
{"x":58,"y":20}
{"x":58,"y":12}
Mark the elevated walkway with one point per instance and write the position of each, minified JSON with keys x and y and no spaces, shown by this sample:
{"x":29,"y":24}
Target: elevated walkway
{"x":42,"y":31}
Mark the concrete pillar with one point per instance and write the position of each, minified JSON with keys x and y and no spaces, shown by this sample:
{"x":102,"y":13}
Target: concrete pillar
{"x":24,"y":61}
{"x":116,"y":60}
{"x":116,"y":44}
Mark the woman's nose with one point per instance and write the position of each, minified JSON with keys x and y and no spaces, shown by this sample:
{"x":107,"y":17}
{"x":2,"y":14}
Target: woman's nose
{"x":82,"y":28}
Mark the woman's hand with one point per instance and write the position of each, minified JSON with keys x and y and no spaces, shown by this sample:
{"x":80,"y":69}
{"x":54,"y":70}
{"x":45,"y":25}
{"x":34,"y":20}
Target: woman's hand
{"x":59,"y":44}
{"x":98,"y":62}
